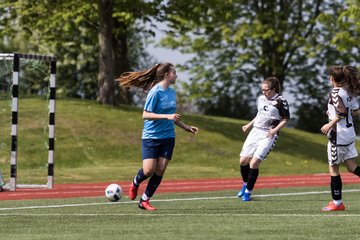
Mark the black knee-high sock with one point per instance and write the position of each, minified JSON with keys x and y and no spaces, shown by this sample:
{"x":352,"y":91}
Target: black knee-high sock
{"x":253,"y":175}
{"x":153,"y":184}
{"x":244,"y":171}
{"x":336,"y":187}
{"x":357,"y":171}
{"x":140,"y":177}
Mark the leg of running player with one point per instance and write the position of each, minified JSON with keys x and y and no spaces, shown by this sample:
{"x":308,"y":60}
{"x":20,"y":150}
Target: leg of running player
{"x":352,"y":166}
{"x":244,"y":172}
{"x":253,"y":174}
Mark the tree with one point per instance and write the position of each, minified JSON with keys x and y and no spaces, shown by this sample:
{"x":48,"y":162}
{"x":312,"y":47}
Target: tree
{"x":336,"y":38}
{"x":89,"y":38}
{"x":65,"y":29}
{"x":346,"y":27}
{"x":106,"y":55}
{"x":237,"y":43}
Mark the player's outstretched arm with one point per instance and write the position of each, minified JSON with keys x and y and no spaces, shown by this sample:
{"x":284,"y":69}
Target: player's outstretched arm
{"x":187,"y":128}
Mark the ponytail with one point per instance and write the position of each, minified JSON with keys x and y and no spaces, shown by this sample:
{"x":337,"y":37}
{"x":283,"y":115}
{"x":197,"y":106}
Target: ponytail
{"x":352,"y":78}
{"x":347,"y":76}
{"x":143,"y":79}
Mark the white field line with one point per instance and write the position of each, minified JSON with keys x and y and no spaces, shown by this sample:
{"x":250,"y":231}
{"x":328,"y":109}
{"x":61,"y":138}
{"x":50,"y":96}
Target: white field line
{"x":169,"y":200}
{"x":177,"y":214}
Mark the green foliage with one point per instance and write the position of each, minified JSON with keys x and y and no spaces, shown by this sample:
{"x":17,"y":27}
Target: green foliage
{"x":234,"y":44}
{"x":69,"y":30}
{"x":293,"y":40}
{"x":347,"y":25}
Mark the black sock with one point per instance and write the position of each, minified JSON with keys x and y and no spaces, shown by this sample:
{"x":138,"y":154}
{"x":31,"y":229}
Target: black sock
{"x":244,"y":171}
{"x":253,"y":175}
{"x":357,"y":171}
{"x":153,"y":184}
{"x":140,"y":177}
{"x":336,"y":187}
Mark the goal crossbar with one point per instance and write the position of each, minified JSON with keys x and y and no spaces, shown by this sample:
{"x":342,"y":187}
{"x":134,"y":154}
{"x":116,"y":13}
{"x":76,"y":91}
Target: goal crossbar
{"x":10,"y":56}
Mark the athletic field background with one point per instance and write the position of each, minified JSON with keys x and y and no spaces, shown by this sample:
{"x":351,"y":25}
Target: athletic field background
{"x":283,"y":213}
{"x":96,"y":143}
{"x":101,"y":144}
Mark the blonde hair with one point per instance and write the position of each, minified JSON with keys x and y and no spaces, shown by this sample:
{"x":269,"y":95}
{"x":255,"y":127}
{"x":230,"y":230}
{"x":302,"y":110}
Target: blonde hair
{"x":145,"y":79}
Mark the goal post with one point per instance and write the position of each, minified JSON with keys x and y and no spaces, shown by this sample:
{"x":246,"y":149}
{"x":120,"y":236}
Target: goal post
{"x":15,"y":57}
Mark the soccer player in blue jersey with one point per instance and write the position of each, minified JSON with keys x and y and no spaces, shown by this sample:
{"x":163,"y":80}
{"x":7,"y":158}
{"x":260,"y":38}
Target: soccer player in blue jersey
{"x":158,"y":136}
{"x":273,"y":114}
{"x":342,"y":106}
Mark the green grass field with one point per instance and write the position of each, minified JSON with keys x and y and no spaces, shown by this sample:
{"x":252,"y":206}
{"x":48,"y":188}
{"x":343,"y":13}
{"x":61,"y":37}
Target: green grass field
{"x":96,"y":143}
{"x":289,"y":213}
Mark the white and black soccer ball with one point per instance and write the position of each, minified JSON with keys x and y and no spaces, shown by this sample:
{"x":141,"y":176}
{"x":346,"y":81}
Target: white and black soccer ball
{"x":113,"y":192}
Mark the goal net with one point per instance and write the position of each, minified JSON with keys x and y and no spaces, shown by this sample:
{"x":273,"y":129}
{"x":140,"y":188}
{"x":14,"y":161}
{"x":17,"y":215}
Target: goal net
{"x":27,"y":118}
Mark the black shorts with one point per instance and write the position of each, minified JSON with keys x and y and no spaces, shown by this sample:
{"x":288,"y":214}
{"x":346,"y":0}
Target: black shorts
{"x":155,"y":148}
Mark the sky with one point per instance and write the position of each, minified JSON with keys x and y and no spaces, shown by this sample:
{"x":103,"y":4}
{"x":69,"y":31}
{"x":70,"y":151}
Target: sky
{"x":168,"y":55}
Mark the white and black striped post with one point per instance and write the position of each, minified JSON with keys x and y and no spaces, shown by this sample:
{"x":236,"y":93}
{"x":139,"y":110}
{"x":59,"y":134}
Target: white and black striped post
{"x":14,"y":119}
{"x":51,"y":124}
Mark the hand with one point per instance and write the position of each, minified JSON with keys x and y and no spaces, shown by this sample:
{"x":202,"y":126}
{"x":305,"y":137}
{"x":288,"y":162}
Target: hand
{"x":175,"y":117}
{"x":325,"y":129}
{"x":271,"y":133}
{"x":245,"y":128}
{"x":193,"y":130}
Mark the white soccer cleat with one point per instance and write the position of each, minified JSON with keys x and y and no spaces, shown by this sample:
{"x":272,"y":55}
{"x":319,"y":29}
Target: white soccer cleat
{"x":5,"y":188}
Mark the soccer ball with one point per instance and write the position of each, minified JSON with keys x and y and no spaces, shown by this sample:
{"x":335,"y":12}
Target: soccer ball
{"x":113,"y":192}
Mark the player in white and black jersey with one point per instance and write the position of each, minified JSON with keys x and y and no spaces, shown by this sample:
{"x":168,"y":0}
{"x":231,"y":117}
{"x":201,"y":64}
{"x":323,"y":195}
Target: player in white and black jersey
{"x":273,"y":114}
{"x":3,"y":186}
{"x":342,"y":106}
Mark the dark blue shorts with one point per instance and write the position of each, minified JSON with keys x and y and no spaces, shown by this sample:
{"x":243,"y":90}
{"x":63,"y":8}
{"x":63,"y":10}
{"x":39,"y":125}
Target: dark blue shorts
{"x":155,"y":148}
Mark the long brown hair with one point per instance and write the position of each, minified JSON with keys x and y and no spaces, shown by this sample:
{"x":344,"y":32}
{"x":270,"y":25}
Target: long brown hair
{"x":348,"y":76}
{"x":145,"y":79}
{"x":273,"y":83}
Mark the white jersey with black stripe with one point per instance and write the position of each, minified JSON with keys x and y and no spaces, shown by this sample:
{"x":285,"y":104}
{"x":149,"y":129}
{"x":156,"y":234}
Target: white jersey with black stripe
{"x":271,"y":111}
{"x":341,"y":104}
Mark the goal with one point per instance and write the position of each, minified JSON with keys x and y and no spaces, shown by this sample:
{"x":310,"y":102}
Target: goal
{"x":15,"y":59}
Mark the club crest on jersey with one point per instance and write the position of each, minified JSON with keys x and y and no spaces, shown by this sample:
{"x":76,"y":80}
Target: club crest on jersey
{"x":274,"y":102}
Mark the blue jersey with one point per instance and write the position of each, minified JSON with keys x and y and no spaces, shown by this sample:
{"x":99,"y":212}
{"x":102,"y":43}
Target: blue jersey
{"x":160,"y":101}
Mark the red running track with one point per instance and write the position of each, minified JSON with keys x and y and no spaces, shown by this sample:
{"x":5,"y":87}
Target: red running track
{"x":168,"y":186}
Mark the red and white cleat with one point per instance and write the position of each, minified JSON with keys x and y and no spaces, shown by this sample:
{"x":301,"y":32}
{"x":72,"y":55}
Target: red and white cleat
{"x":146,"y":205}
{"x":133,"y":190}
{"x":332,"y":207}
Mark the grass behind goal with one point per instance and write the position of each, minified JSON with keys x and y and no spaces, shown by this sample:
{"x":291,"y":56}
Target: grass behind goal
{"x":292,"y":213}
{"x":96,"y":143}
{"x":32,"y":143}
